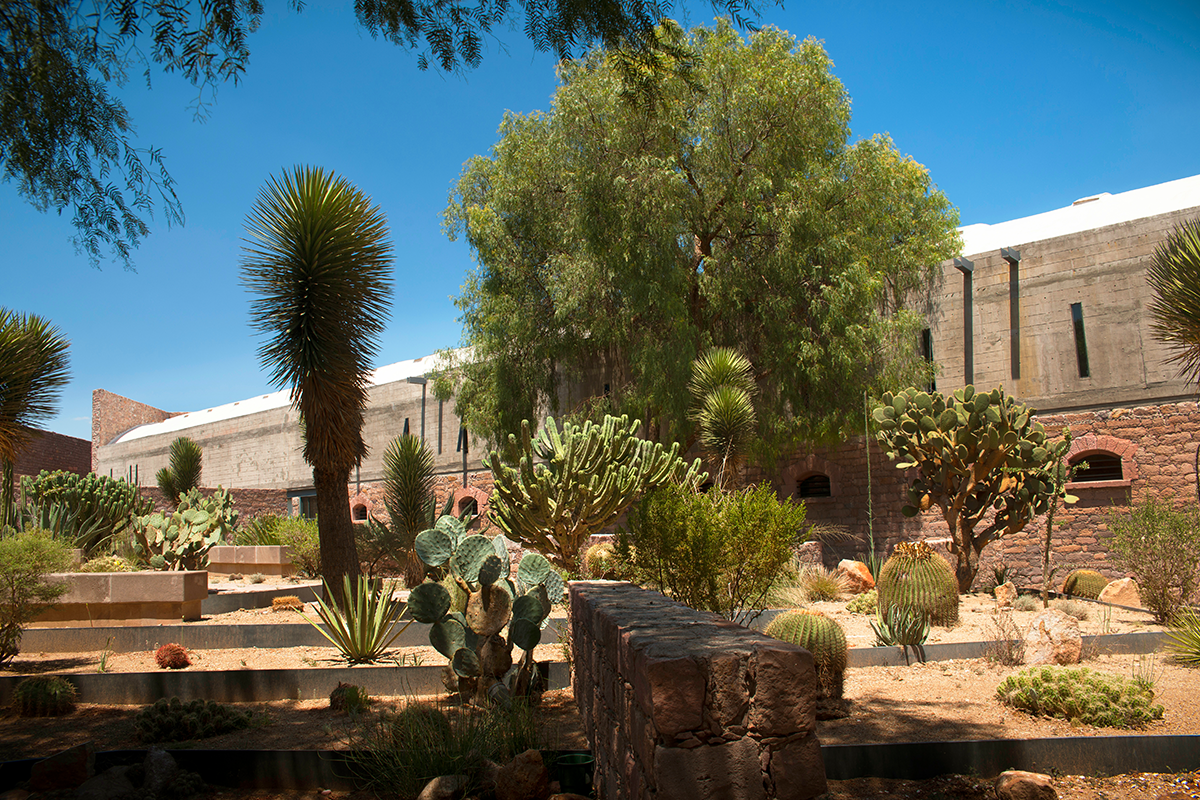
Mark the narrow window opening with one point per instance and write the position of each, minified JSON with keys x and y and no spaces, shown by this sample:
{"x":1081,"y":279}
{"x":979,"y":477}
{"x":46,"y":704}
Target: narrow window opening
{"x":927,"y":354}
{"x":814,"y":486}
{"x":1081,"y":355}
{"x":1013,"y":257}
{"x":406,"y":426}
{"x":468,"y":505}
{"x":1100,"y":467}
{"x":308,"y":506}
{"x":441,"y":405}
{"x":967,"y":268}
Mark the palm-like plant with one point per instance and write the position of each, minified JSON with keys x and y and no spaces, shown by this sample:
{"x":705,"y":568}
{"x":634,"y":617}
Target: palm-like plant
{"x":1174,"y":275}
{"x":408,"y":476}
{"x":320,"y":263}
{"x":723,"y":390}
{"x":183,"y":473}
{"x":33,"y":370}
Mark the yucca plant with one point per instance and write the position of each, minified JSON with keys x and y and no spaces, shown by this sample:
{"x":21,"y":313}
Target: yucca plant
{"x":1183,"y":638}
{"x":723,"y":390}
{"x":366,"y":627}
{"x":1174,"y":275}
{"x":184,"y":470}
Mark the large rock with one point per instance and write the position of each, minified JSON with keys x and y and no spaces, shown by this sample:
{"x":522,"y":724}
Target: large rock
{"x":858,"y":576}
{"x":160,"y":769}
{"x":1123,"y":592}
{"x":108,"y":785}
{"x":1053,"y":638}
{"x":444,"y":787}
{"x":1005,"y":593}
{"x":524,"y":778}
{"x":1020,"y":785}
{"x":71,"y":767}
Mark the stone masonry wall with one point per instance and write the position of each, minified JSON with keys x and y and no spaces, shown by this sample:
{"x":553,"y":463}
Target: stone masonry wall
{"x":250,"y":503}
{"x":53,"y":451}
{"x":113,"y":414}
{"x":682,"y":704}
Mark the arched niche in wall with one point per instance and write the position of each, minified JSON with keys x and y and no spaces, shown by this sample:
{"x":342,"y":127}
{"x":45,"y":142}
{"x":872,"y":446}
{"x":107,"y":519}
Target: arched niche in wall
{"x":1110,"y":462}
{"x":471,"y":500}
{"x":811,"y":478}
{"x":361,"y":507}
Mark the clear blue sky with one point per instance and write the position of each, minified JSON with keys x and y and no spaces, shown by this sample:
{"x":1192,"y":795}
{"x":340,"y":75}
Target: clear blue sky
{"x":1015,"y":108}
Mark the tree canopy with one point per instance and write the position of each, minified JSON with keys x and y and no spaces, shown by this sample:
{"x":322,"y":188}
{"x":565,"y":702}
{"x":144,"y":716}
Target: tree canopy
{"x":67,"y":143}
{"x":616,"y":241}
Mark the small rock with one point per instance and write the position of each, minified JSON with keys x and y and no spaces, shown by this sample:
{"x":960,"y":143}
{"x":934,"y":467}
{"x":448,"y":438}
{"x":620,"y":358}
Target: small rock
{"x":160,"y":769}
{"x":1005,"y":593}
{"x":524,"y":778}
{"x":62,"y":770}
{"x":1020,"y":785}
{"x":1123,"y":592}
{"x":444,"y":787}
{"x":567,"y":796}
{"x":110,"y":784}
{"x":14,"y":794}
{"x":1053,"y":638}
{"x":858,"y":576}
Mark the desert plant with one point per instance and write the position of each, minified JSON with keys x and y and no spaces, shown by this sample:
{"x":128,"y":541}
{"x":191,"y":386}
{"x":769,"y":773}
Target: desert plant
{"x":1072,"y":608}
{"x":181,"y":540}
{"x":865,"y":603}
{"x":820,"y":584}
{"x":917,"y":578}
{"x":598,"y":561}
{"x":90,"y":509}
{"x":364,"y":627}
{"x":257,"y":577}
{"x":1084,"y":583}
{"x":901,"y":626}
{"x":172,"y":656}
{"x":723,"y":390}
{"x":175,"y":721}
{"x":259,"y":531}
{"x":1006,"y":643}
{"x":25,"y":560}
{"x":408,"y":480}
{"x":1025,"y":602}
{"x":302,"y":538}
{"x":1000,"y":574}
{"x":1160,"y":545}
{"x":350,"y":698}
{"x":182,"y":474}
{"x":1183,"y":638}
{"x":106,"y":564}
{"x":287,"y":602}
{"x":1088,"y":696}
{"x":44,"y":696}
{"x":821,"y":636}
{"x":471,"y":635}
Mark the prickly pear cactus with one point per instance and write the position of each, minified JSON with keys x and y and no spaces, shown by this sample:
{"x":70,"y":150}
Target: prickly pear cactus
{"x":916,"y":578}
{"x":1084,"y":583}
{"x":181,"y":540}
{"x":471,"y":609}
{"x":821,"y":636}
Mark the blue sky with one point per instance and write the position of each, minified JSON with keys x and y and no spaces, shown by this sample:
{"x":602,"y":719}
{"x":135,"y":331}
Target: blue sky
{"x":1015,"y":107}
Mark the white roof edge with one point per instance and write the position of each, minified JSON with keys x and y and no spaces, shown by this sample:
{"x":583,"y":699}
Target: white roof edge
{"x":389,"y":373}
{"x":1087,"y":213}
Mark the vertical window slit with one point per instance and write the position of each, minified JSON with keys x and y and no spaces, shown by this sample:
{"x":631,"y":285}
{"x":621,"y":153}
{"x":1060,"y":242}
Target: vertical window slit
{"x":1081,"y":356}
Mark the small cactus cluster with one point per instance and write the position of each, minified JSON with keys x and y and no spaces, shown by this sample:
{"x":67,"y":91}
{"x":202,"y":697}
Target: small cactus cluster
{"x":823,"y":637}
{"x":181,"y":540}
{"x":287,"y":602}
{"x":599,"y":562}
{"x":176,"y":721}
{"x":99,"y":505}
{"x":349,"y":698}
{"x":172,"y":656}
{"x":917,"y":578}
{"x":44,"y":696}
{"x":469,"y":618}
{"x":108,"y":563}
{"x":1084,"y":583}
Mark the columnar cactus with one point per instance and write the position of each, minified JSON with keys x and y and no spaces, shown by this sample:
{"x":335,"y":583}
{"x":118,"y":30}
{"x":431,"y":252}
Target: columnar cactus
{"x":916,"y":578}
{"x":181,"y":540}
{"x":470,"y":632}
{"x":97,"y":504}
{"x":975,"y":453}
{"x":823,"y":637}
{"x":1084,"y":583}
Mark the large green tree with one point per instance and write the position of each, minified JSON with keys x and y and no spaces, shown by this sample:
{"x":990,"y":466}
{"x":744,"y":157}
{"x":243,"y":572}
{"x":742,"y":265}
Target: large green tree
{"x":320,"y":264}
{"x":67,"y":143}
{"x":33,"y":370}
{"x":616,"y":241}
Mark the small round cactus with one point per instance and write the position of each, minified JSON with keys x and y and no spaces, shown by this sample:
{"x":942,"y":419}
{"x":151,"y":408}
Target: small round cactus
{"x":44,"y":696}
{"x":917,"y":578}
{"x":599,"y":562}
{"x":287,"y":602}
{"x":821,"y":636}
{"x":1084,"y":583}
{"x":172,"y":656}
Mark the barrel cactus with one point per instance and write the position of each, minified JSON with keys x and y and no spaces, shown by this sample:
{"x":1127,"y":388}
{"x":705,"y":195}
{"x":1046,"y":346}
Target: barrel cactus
{"x":483,"y":602}
{"x":1084,"y":583}
{"x":916,"y":578}
{"x":44,"y":696}
{"x":823,"y":637}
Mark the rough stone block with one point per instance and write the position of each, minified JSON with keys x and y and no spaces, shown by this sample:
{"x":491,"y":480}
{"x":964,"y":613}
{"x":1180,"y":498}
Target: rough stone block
{"x":797,"y":769}
{"x":729,"y":770}
{"x":672,"y":691}
{"x":785,"y":689}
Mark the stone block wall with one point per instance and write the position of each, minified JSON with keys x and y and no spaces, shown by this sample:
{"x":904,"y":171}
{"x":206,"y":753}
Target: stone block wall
{"x":250,"y":503}
{"x":683,"y":704}
{"x":53,"y":451}
{"x":113,"y":414}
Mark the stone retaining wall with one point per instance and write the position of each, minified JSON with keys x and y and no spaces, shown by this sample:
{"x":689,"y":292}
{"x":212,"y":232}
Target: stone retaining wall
{"x":125,"y":598}
{"x":679,"y":703}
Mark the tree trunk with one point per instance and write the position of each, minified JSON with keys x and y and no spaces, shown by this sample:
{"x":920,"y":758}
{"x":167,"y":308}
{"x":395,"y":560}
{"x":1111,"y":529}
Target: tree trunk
{"x":339,"y":552}
{"x":967,"y":567}
{"x":7,"y":504}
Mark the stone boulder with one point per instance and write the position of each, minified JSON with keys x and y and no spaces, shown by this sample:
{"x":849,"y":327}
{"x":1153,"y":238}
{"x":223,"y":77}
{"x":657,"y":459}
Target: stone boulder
{"x":857,"y":575}
{"x":1005,"y":593}
{"x":63,"y":770}
{"x":1123,"y":592}
{"x":108,"y":785}
{"x":444,"y":787}
{"x":1053,"y":638}
{"x":1020,"y":785}
{"x":523,"y":778}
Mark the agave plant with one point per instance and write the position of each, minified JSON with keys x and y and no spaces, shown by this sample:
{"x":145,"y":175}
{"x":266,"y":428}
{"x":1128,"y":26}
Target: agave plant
{"x":901,"y":626}
{"x":367,"y":626}
{"x":1184,"y":637}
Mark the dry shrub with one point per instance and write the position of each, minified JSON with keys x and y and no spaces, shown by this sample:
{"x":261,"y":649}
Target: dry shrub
{"x":1006,"y":641}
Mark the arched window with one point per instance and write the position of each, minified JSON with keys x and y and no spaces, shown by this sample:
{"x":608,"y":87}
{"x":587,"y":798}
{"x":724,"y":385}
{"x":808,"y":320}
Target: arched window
{"x":360,"y":513}
{"x":815,"y":485}
{"x":1110,"y":461}
{"x":468,"y":505}
{"x":1100,"y":467}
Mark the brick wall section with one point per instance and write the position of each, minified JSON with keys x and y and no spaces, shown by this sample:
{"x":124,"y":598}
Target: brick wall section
{"x":113,"y":414}
{"x":53,"y":451}
{"x":250,"y":503}
{"x":681,"y":704}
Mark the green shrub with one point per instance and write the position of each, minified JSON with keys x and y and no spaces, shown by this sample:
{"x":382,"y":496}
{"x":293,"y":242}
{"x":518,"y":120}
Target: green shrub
{"x":44,"y":696}
{"x":259,"y":532}
{"x":1072,"y":608}
{"x":25,"y":560}
{"x":1026,"y":602}
{"x":718,"y":552}
{"x":175,"y":721}
{"x":1183,"y":639}
{"x":1083,"y":695}
{"x":1160,"y":545}
{"x":865,"y":603}
{"x":301,"y":536}
{"x":107,"y":564}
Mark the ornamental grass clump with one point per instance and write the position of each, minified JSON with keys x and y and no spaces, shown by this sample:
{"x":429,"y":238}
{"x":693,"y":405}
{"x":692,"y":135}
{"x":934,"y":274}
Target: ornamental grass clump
{"x":820,"y":584}
{"x":1081,"y":695}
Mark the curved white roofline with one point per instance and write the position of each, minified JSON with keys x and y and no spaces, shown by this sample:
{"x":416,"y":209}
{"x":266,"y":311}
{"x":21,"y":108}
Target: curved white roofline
{"x":389,"y":373}
{"x":1084,"y":214}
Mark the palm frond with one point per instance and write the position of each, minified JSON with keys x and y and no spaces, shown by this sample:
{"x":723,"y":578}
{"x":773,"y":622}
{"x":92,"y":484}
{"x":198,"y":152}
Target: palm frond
{"x":33,"y":371}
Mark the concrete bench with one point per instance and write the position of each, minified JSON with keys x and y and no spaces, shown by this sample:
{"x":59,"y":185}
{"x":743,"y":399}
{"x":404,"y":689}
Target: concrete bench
{"x":125,"y":598}
{"x":251,"y":560}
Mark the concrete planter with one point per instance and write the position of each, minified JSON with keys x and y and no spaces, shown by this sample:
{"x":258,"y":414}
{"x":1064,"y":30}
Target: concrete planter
{"x":251,"y":560}
{"x":125,"y":598}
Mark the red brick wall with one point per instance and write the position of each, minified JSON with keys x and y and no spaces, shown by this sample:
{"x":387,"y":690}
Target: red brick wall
{"x":53,"y":451}
{"x":113,"y":414}
{"x":250,"y":503}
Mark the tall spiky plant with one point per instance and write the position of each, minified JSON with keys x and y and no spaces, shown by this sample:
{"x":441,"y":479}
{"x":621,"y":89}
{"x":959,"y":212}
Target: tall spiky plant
{"x":723,"y":390}
{"x":1174,"y":275}
{"x":320,"y":264}
{"x":183,"y":471}
{"x":408,"y":477}
{"x":33,"y":370}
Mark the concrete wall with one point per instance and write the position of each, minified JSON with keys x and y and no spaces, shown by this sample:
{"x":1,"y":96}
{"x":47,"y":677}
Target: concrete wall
{"x":679,"y":703}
